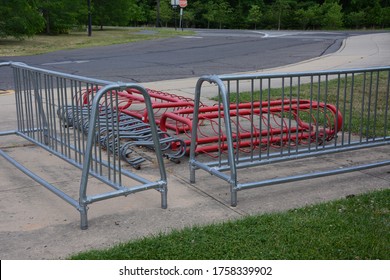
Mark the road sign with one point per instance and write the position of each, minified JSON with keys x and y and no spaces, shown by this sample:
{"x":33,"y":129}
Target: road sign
{"x":183,"y":3}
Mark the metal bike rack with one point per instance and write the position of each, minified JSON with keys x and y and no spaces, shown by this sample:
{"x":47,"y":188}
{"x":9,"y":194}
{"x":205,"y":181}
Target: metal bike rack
{"x":50,"y":116}
{"x":345,"y":110}
{"x":256,"y":124}
{"x":132,"y":103}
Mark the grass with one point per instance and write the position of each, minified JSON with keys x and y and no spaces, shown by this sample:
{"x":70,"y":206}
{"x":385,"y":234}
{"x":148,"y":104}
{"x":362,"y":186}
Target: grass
{"x":357,"y":227}
{"x":78,"y":39}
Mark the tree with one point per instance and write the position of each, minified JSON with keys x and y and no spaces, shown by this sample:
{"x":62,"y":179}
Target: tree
{"x":355,"y":19}
{"x":224,"y":12}
{"x":280,"y":6}
{"x":115,"y":13}
{"x":254,"y":15}
{"x":385,"y":17}
{"x":27,"y":17}
{"x":19,"y":19}
{"x":373,"y":14}
{"x":166,"y":12}
{"x":211,"y":14}
{"x":137,"y":12}
{"x":332,"y":15}
{"x":62,"y":15}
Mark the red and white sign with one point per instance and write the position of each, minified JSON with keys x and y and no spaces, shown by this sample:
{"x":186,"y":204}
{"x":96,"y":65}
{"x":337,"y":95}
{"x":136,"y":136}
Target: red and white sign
{"x":183,"y":3}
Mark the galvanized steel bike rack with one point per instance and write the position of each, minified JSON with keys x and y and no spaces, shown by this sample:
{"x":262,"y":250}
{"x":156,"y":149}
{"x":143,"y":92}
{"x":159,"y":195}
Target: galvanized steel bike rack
{"x":358,"y":100}
{"x":45,"y":100}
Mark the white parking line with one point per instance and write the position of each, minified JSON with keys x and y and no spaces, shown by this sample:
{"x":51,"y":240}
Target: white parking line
{"x":66,"y":62}
{"x":269,"y":35}
{"x":191,"y":37}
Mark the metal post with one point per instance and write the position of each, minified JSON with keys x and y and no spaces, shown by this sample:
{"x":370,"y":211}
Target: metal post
{"x":89,"y":19}
{"x":174,"y":4}
{"x":158,"y":14}
{"x":181,"y":19}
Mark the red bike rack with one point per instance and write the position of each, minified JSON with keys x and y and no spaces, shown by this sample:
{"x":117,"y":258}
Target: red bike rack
{"x":275,"y":123}
{"x":132,"y":103}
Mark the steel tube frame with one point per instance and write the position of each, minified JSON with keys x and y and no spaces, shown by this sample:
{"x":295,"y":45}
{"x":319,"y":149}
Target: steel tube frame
{"x":39,"y":94}
{"x":286,"y":83}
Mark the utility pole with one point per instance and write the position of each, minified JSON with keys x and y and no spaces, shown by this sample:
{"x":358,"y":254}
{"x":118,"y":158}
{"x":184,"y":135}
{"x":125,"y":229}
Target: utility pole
{"x":89,"y":19}
{"x":158,"y":14}
{"x":174,"y":4}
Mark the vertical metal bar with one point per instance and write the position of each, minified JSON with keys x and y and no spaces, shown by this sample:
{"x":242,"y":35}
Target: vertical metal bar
{"x":268,"y":118}
{"x":289,"y":135}
{"x":111,"y":128}
{"x":106,"y":126}
{"x":369,"y":109}
{"x":118,"y":135}
{"x":344,"y":109}
{"x":37,"y":100}
{"x":310,"y":111}
{"x":282,"y":115}
{"x":351,"y":109}
{"x":386,"y":124}
{"x":237,"y":140}
{"x":97,"y":148}
{"x":362,"y":115}
{"x":30,"y":109}
{"x":375,"y":124}
{"x":252,"y":145}
{"x":54,"y":108}
{"x":260,"y":119}
{"x":338,"y":109}
{"x":70,"y":131}
{"x":18,"y":98}
{"x":317,"y":122}
{"x":325,"y":123}
{"x":298,"y":116}
{"x":48,"y":108}
{"x":75,"y":138}
{"x":63,"y":128}
{"x":221,"y":141}
{"x":84,"y":108}
{"x":163,"y":181}
{"x":195,"y":120}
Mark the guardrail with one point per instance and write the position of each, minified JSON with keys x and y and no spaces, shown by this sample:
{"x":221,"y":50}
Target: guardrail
{"x":92,"y":136}
{"x":290,"y":116}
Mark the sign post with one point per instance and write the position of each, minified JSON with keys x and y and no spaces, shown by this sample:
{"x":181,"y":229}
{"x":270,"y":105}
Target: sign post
{"x":174,"y":4}
{"x":182,"y":4}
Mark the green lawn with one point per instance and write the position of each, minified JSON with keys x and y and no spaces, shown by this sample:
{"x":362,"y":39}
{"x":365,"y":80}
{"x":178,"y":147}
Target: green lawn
{"x":354,"y":228}
{"x":79,"y":39}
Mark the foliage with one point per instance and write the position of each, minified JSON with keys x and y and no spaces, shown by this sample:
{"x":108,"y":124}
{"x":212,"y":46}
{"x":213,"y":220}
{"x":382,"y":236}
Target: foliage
{"x":114,"y":13}
{"x":353,"y":228}
{"x":62,"y":15}
{"x":21,"y":18}
{"x":255,"y":15}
